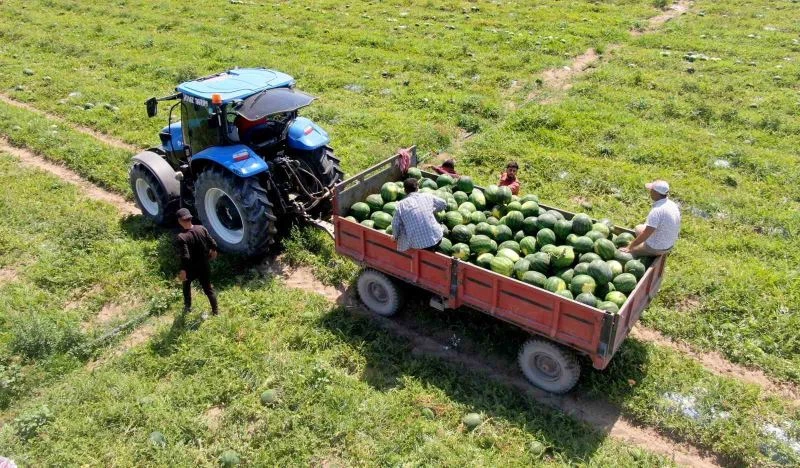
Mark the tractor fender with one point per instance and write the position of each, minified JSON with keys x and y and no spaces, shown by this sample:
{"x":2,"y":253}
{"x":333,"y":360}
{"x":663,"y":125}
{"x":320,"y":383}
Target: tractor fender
{"x":305,"y":135}
{"x":239,"y":159}
{"x":161,"y":169}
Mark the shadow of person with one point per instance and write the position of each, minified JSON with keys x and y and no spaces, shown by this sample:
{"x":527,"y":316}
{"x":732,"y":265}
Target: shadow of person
{"x":165,"y":343}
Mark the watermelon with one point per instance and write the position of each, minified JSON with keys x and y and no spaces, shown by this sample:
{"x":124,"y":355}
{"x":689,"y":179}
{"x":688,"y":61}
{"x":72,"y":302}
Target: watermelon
{"x":499,"y":211}
{"x":351,"y":218}
{"x":617,"y":298}
{"x":529,"y":208}
{"x":616,"y":267}
{"x":546,"y":221}
{"x":429,"y":183}
{"x":508,"y":253}
{"x":601,"y":228}
{"x":636,"y":268}
{"x":509,"y":244}
{"x":603,"y":289}
{"x":542,"y":211}
{"x":521,"y":267}
{"x":540,"y":261}
{"x":529,"y":197}
{"x":565,"y":293}
{"x":545,"y":236}
{"x":571,"y":239}
{"x":460,"y":197}
{"x":460,"y":234}
{"x":502,"y":265}
{"x":471,"y":229}
{"x":443,"y":180}
{"x":554,"y":284}
{"x":583,"y":244}
{"x":467,"y":206}
{"x":375,"y":202}
{"x":514,"y":206}
{"x":527,"y":245}
{"x":589,"y":257}
{"x":445,"y":246}
{"x":587,"y":298}
{"x":466,"y":215}
{"x":461,"y":251}
{"x":480,"y":244}
{"x":484,"y":260}
{"x":389,"y":192}
{"x":269,"y":397}
{"x":414,"y":173}
{"x":381,"y":220}
{"x":504,"y":195}
{"x":549,"y":249}
{"x":492,"y":194}
{"x":484,"y":229}
{"x":562,"y":228}
{"x":229,"y":458}
{"x":623,"y":240}
{"x":445,"y":230}
{"x":535,"y":278}
{"x":360,"y":211}
{"x":453,"y":219}
{"x":472,"y":420}
{"x":582,"y":284}
{"x":581,"y":269}
{"x":368,"y":223}
{"x":519,"y":236}
{"x":514,"y":220}
{"x":391,"y":207}
{"x":452,"y":204}
{"x":562,"y":257}
{"x":625,"y":283}
{"x":600,"y":271}
{"x":609,"y":224}
{"x":478,"y":199}
{"x":566,"y":274}
{"x":502,"y":233}
{"x":604,"y":248}
{"x":389,"y":230}
{"x":594,"y":235}
{"x":156,"y":438}
{"x":624,"y":257}
{"x":581,"y":224}
{"x":608,"y":306}
{"x":464,"y":184}
{"x":477,"y":217}
{"x":529,"y":225}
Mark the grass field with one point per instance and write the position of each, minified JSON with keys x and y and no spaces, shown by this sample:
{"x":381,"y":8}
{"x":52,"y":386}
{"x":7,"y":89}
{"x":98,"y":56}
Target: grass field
{"x":710,"y":102}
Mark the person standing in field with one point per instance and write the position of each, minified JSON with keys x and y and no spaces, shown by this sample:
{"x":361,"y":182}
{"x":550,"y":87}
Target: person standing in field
{"x":196,"y":248}
{"x":509,"y":177}
{"x":659,"y":233}
{"x":414,"y":225}
{"x":448,"y":167}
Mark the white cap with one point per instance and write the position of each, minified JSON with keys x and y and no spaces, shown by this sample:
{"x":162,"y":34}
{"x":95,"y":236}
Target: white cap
{"x":660,"y":186}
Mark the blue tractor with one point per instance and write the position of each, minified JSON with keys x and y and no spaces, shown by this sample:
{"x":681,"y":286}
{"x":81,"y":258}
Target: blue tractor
{"x":240,"y":158}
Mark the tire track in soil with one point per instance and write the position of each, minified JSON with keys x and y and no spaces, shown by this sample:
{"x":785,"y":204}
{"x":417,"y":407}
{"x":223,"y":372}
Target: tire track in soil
{"x":717,"y":364}
{"x":107,"y":139}
{"x":30,"y":159}
{"x":598,"y":414}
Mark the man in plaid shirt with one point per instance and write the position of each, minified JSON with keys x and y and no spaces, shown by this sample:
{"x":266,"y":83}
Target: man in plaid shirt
{"x":414,"y":226}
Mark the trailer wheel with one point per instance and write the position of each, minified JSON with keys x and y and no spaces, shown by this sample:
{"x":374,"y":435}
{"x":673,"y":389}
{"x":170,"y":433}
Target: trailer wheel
{"x":549,"y":366}
{"x":379,"y":293}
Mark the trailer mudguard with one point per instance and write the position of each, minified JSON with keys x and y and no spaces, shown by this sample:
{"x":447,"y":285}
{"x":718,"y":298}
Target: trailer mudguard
{"x":161,"y":169}
{"x":238,"y":159}
{"x":305,"y":135}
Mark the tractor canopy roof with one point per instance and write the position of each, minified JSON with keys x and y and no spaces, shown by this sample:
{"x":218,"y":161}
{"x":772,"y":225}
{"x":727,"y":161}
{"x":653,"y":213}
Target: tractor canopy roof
{"x":235,"y":84}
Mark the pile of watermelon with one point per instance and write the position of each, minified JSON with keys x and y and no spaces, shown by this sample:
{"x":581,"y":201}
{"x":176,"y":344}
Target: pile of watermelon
{"x":576,"y":258}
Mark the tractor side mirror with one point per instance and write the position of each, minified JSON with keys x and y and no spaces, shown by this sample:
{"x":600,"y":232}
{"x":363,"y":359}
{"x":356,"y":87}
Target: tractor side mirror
{"x":152,"y":107}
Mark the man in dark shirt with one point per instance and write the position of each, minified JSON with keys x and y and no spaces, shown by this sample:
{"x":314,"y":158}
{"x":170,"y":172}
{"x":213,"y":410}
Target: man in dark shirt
{"x":195,"y":248}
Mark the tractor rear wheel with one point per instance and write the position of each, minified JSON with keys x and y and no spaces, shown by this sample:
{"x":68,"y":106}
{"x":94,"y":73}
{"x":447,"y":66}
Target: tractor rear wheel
{"x":150,"y":195}
{"x":236,"y":211}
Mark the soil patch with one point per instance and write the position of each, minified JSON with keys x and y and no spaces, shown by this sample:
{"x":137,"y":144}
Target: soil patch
{"x":135,"y":338}
{"x":717,"y":364}
{"x":109,"y":140}
{"x":90,"y":190}
{"x":213,"y":417}
{"x":673,"y":11}
{"x":300,"y":277}
{"x":8,"y":275}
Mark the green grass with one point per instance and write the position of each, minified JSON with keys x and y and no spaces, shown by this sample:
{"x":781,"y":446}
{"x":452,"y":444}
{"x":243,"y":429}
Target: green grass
{"x":348,"y":392}
{"x":422,"y":69}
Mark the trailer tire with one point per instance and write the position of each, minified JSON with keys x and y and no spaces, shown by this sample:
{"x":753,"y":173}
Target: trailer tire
{"x":379,"y":293}
{"x":549,"y":366}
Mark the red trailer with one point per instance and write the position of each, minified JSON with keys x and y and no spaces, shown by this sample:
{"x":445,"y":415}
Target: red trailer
{"x":562,"y":328}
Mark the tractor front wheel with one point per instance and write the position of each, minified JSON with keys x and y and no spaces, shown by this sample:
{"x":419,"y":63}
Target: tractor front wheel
{"x":236,"y":211}
{"x":150,"y":195}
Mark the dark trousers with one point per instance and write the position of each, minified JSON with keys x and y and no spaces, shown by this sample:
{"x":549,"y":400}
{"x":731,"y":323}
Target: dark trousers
{"x":433,"y":247}
{"x":203,"y":275}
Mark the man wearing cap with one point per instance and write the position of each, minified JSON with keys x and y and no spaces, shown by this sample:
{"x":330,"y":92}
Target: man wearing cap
{"x":196,"y":248}
{"x":659,"y":233}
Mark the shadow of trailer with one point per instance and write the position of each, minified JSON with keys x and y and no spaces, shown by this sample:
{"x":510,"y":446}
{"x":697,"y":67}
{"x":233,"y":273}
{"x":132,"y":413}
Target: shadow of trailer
{"x":561,"y":328}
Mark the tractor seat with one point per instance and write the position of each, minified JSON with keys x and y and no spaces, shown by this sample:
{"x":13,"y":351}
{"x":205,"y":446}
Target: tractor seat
{"x":261,"y":133}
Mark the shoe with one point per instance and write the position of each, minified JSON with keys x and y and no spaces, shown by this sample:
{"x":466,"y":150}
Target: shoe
{"x":204,"y":316}
{"x":214,"y":312}
{"x":187,"y":310}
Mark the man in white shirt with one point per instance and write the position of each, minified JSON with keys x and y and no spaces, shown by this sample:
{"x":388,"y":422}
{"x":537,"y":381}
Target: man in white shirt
{"x":659,"y":233}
